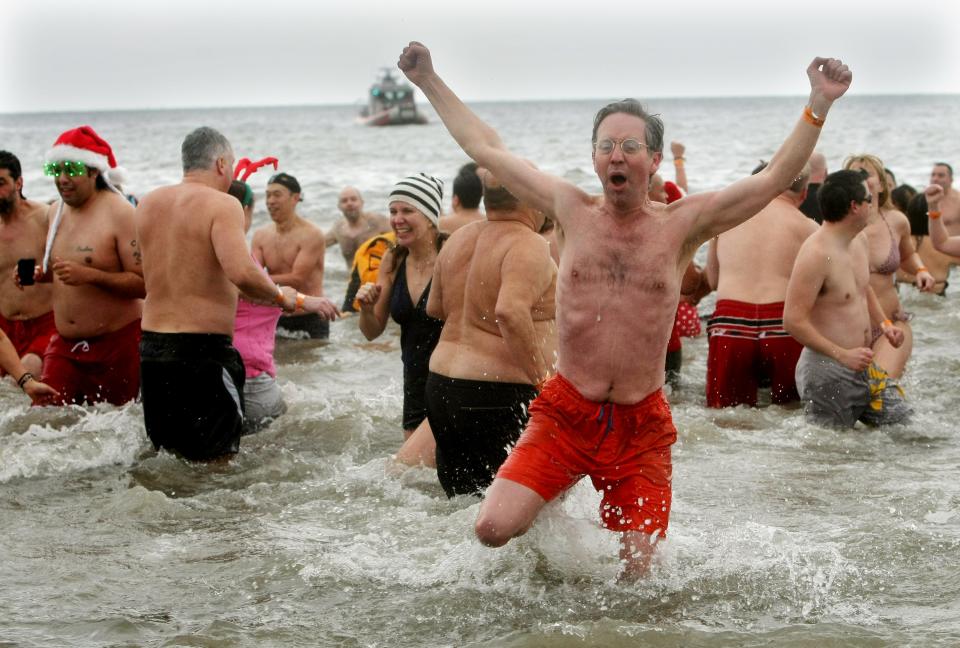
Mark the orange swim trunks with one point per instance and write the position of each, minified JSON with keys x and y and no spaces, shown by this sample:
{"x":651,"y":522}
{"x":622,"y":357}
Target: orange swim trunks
{"x":625,"y":450}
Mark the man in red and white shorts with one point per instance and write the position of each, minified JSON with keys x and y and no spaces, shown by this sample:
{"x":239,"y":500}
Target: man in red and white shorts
{"x":750,"y":267}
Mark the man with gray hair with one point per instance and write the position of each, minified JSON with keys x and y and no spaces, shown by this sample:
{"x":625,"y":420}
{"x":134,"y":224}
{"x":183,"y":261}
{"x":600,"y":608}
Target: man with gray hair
{"x":605,"y":414}
{"x":195,"y":257}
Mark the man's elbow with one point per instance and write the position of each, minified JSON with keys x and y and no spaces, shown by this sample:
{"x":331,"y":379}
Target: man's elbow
{"x":511,"y":317}
{"x":791,"y":324}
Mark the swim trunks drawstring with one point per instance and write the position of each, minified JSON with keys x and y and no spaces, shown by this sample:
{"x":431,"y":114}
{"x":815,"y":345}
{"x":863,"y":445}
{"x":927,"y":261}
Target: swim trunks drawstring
{"x":609,"y":414}
{"x":84,"y":346}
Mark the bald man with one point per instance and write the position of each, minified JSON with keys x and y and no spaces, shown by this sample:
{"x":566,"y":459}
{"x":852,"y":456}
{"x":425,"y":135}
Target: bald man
{"x":356,"y":227}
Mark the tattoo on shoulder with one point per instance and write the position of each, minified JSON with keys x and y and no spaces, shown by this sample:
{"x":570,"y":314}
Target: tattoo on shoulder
{"x":137,"y":256}
{"x":84,"y":248}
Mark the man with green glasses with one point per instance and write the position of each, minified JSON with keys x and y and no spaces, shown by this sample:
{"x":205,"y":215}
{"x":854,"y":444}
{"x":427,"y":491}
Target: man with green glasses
{"x":93,"y":259}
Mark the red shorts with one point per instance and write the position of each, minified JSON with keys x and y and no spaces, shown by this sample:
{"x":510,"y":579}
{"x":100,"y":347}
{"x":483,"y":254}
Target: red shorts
{"x":102,"y":368}
{"x":625,"y":449}
{"x":687,"y":321}
{"x":29,"y":336}
{"x":747,"y":348}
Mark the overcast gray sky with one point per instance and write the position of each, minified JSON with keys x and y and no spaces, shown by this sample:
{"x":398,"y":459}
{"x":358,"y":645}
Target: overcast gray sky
{"x":60,"y":55}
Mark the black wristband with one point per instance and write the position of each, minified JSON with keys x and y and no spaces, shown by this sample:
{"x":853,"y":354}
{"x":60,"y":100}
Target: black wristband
{"x":24,"y":378}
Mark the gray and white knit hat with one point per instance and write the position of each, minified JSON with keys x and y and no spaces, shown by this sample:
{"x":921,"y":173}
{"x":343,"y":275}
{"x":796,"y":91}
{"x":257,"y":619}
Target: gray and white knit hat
{"x":423,"y":192}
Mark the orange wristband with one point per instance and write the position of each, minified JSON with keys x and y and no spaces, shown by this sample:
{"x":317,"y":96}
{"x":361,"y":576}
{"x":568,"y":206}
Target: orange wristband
{"x":810,"y":118}
{"x":921,"y":269}
{"x":933,"y":215}
{"x":678,"y":161}
{"x":887,"y":322}
{"x":301,"y":298}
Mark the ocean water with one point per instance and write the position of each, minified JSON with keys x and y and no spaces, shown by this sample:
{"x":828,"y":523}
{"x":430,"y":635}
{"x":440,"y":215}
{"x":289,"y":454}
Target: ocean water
{"x":782,"y":533}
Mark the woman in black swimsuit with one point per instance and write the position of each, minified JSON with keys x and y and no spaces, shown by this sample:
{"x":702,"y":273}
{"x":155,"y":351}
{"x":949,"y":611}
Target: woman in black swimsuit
{"x":401,"y":292}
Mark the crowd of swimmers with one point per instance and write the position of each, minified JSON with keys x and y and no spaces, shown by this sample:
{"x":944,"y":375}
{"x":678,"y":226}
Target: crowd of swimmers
{"x":536,"y":335}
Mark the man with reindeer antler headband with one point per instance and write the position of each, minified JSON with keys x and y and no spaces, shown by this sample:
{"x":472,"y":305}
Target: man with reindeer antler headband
{"x":195,"y":257}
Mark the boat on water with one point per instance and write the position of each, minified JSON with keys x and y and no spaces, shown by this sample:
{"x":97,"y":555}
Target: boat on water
{"x":390,"y":103}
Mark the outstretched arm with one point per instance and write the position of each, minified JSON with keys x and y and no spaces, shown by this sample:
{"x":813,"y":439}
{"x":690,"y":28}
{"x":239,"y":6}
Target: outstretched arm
{"x":482,"y":143}
{"x":677,"y":150}
{"x":941,"y":239}
{"x":722,"y":210}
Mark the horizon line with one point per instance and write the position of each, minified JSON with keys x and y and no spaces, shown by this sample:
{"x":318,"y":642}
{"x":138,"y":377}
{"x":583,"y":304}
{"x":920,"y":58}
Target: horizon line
{"x":338,"y":104}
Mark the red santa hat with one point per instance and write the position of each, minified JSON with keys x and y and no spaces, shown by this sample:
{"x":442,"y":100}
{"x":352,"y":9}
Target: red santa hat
{"x":82,"y":144}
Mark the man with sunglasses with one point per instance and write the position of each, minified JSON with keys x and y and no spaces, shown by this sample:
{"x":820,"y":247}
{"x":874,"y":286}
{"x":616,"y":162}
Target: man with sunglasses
{"x":195,"y":258}
{"x":93,"y":259}
{"x":831,"y":309}
{"x":604,"y":414}
{"x":293,"y":250}
{"x":26,"y":312}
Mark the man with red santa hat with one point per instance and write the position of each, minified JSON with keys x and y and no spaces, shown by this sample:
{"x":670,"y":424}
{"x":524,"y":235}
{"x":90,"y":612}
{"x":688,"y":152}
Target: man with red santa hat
{"x":93,"y":259}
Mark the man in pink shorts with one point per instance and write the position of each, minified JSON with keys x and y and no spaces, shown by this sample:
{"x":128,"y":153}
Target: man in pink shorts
{"x":617,"y":291}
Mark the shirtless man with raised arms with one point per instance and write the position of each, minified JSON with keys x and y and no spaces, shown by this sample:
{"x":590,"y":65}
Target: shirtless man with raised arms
{"x":195,"y":257}
{"x":605,"y":414}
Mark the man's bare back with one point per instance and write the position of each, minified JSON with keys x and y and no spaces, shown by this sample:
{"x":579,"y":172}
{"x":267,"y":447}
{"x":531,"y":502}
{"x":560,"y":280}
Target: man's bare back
{"x":483,"y":272}
{"x":755,"y":259}
{"x":188,"y":289}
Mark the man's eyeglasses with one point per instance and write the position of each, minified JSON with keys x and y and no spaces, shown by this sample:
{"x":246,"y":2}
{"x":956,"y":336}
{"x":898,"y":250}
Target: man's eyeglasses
{"x":867,"y":199}
{"x":629,"y":146}
{"x":72,"y":169}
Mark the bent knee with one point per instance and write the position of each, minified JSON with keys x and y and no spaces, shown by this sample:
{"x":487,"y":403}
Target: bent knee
{"x":491,"y":533}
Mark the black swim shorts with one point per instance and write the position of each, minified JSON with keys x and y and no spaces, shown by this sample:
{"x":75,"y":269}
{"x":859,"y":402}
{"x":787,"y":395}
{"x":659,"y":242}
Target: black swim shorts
{"x":192,"y":393}
{"x":475,"y":424}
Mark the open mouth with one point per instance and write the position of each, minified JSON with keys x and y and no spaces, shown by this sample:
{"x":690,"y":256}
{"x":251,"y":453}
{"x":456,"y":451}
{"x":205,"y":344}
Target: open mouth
{"x":618,"y":179}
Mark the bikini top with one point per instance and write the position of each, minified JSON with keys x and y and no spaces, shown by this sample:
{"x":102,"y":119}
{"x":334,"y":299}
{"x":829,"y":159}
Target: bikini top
{"x":892,"y":262}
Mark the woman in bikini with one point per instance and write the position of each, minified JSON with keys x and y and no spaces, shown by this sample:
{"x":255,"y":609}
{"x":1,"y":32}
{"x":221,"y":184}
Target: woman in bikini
{"x":891,"y":247}
{"x":401,"y":292}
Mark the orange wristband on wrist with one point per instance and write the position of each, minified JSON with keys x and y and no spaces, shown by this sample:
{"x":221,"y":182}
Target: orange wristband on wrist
{"x":810,"y":118}
{"x":921,"y":269}
{"x":886,"y":322}
{"x":933,"y":215}
{"x":301,"y":299}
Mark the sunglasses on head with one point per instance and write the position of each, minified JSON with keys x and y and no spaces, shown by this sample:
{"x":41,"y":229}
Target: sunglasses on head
{"x":72,"y":169}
